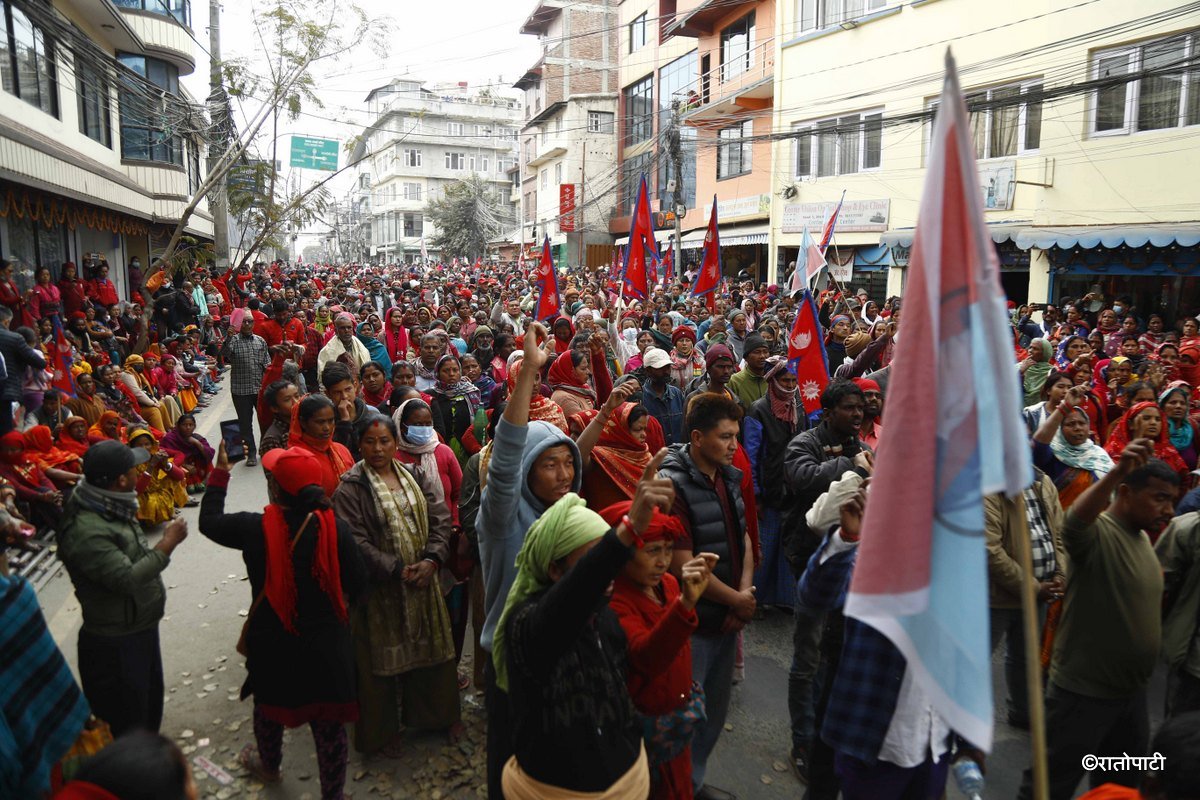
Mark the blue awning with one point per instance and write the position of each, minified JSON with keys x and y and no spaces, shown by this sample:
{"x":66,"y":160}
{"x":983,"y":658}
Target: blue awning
{"x":872,"y":257}
{"x":1001,"y":232}
{"x":1186,"y":234}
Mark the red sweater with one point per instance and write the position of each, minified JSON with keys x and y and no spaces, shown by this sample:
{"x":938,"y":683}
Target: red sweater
{"x":451,"y":474}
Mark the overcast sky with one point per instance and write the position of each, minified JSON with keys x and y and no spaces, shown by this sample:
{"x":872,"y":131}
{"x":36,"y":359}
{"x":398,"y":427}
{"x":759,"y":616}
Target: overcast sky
{"x":436,"y":40}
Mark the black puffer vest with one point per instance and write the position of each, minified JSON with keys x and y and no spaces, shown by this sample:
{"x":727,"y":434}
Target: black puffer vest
{"x":708,"y":524}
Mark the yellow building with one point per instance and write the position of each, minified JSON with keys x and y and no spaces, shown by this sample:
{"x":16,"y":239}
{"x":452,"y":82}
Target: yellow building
{"x":1087,"y":126}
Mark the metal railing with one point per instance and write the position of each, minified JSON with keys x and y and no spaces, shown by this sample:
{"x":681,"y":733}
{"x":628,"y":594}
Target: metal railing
{"x":724,"y":80}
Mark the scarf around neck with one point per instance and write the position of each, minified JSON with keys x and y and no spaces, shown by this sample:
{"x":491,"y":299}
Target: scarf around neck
{"x":118,"y":505}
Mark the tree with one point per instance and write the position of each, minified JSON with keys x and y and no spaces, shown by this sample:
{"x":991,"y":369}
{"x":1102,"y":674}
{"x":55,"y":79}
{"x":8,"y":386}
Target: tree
{"x":467,"y":216}
{"x":294,"y":35}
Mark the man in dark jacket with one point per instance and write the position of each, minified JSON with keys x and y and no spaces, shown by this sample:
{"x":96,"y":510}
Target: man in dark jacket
{"x":709,"y":503}
{"x":15,"y":355}
{"x":813,"y":461}
{"x":117,"y":579}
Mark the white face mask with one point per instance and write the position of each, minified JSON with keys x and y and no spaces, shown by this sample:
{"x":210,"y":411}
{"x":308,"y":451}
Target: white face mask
{"x":419,"y":434}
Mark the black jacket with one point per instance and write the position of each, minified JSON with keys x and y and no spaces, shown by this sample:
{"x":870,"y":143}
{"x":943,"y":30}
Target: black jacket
{"x":812,"y":462}
{"x":766,"y":438}
{"x":17,"y":355}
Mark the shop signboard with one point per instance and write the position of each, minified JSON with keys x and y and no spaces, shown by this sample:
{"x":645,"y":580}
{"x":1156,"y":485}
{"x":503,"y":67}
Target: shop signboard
{"x":566,"y":207}
{"x":996,"y":182}
{"x":856,"y":216}
{"x":753,"y":206}
{"x":311,"y":153}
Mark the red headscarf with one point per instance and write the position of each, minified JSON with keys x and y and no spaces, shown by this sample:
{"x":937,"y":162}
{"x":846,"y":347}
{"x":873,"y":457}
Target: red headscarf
{"x":1163,"y":449}
{"x":70,"y":443}
{"x":294,"y":469}
{"x":562,"y":376}
{"x":334,"y":459}
{"x":396,"y":341}
{"x":1189,"y":373}
{"x":622,"y":457}
{"x":563,"y":344}
{"x":39,"y":445}
{"x":540,"y":408}
{"x":662,"y":526}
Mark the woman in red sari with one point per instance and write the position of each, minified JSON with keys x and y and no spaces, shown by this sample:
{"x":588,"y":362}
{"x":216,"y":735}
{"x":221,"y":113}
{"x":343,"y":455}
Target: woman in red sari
{"x":540,"y":407}
{"x":73,"y":436}
{"x":395,"y":335}
{"x":72,"y":289}
{"x":313,"y":421}
{"x":60,"y":466}
{"x":1145,"y":421}
{"x":614,"y":452}
{"x":11,"y":296}
{"x":109,"y":426}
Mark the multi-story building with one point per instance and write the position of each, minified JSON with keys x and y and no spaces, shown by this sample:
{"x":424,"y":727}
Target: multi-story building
{"x":705,"y":68}
{"x":1086,"y":120}
{"x":421,"y":139}
{"x":568,"y":140}
{"x":99,"y":144}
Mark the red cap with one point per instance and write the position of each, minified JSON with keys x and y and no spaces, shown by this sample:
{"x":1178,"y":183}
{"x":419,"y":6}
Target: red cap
{"x":293,"y":468}
{"x":866,"y":384}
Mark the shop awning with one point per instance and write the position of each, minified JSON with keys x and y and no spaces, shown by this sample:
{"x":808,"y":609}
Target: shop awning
{"x":1001,"y":232}
{"x":662,"y":237}
{"x":1186,"y":234}
{"x":730,"y":235}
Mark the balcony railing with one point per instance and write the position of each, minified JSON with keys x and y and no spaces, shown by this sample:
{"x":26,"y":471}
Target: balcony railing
{"x":179,"y":10}
{"x":730,"y":78}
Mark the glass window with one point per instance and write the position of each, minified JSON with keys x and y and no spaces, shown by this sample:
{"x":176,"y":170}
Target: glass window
{"x":639,"y":111}
{"x":814,"y":15}
{"x":1167,"y":95}
{"x":180,"y":10}
{"x":558,"y":173}
{"x":674,"y":81}
{"x":873,"y":140}
{"x":1007,"y":120}
{"x":734,"y":149}
{"x":28,"y":66}
{"x":631,"y":177}
{"x":413,"y":225}
{"x":804,"y":142}
{"x":600,"y":122}
{"x":456,"y":161}
{"x":412,"y":158}
{"x":637,"y":33}
{"x":842,"y":146}
{"x":737,"y":47}
{"x":457,"y":129}
{"x":95,"y":117}
{"x":146,"y":115}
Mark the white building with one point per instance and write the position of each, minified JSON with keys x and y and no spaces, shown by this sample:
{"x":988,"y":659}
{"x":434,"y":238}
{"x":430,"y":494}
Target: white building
{"x":423,"y":138}
{"x":568,"y":139}
{"x":99,"y":144}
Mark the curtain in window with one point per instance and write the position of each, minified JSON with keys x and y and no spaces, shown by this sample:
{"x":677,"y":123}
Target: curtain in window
{"x":848,"y":142}
{"x":826,"y":148}
{"x":1006,"y":113}
{"x":978,"y":122}
{"x":1159,"y":95}
{"x":1110,"y":100}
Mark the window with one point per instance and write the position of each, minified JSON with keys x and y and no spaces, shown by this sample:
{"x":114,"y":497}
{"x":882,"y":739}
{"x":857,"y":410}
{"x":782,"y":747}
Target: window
{"x":1005,"y":121}
{"x":1166,"y":96}
{"x":737,"y":47}
{"x":483,"y":163}
{"x":599,"y":122}
{"x":544,"y":176}
{"x":674,"y":81}
{"x":639,"y":111}
{"x":457,"y":129}
{"x":195,"y":177}
{"x":412,"y":191}
{"x":95,"y":117}
{"x":813,"y":15}
{"x":558,"y":172}
{"x":27,"y":61}
{"x":733,"y":150}
{"x":456,"y":161}
{"x":631,"y":178}
{"x":637,"y":33}
{"x":841,"y":146}
{"x":181,"y":10}
{"x":413,"y":225}
{"x":146,"y":128}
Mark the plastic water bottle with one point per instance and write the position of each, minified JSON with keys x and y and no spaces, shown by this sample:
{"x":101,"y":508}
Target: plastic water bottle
{"x":968,"y":777}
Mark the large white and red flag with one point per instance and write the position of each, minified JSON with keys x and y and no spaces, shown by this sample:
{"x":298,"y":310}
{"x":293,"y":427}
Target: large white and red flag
{"x":954,"y":435}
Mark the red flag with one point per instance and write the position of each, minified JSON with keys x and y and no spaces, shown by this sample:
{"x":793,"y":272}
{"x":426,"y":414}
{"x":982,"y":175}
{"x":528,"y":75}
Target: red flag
{"x":710,"y":262}
{"x":547,"y":284}
{"x":635,"y":277}
{"x":61,"y":363}
{"x":806,"y":354}
{"x":830,"y":224}
{"x":668,"y":263}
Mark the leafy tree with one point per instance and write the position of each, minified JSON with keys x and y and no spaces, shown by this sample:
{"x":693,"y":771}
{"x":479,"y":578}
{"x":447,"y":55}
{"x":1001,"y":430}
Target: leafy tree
{"x":467,"y":216}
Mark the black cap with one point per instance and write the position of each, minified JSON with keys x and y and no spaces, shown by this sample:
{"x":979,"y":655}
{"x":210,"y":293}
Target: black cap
{"x":754,"y":341}
{"x":106,"y":461}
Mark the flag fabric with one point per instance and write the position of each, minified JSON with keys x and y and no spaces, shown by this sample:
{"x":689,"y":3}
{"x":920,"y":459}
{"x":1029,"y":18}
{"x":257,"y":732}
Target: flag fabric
{"x":546,"y":281}
{"x":424,"y":252}
{"x":806,"y":354}
{"x":635,"y":274}
{"x":668,"y":263}
{"x":60,"y":365}
{"x":954,"y":435}
{"x":830,"y":224}
{"x":709,"y":276}
{"x":809,"y":263}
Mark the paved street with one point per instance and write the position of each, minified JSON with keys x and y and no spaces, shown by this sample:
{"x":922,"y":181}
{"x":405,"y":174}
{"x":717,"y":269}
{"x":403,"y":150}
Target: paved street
{"x":209,"y":596}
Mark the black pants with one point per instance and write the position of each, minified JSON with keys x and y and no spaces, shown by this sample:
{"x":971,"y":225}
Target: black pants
{"x":1184,"y":692}
{"x":1076,"y":726}
{"x":7,"y":422}
{"x":122,"y":679}
{"x":499,"y":730}
{"x":246,"y":407}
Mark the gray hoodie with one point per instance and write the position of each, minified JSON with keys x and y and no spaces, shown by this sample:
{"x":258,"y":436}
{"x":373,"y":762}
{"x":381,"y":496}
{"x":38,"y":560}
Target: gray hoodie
{"x":508,"y":508}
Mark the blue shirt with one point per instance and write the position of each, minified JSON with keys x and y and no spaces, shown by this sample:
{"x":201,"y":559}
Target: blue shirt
{"x":667,"y":409}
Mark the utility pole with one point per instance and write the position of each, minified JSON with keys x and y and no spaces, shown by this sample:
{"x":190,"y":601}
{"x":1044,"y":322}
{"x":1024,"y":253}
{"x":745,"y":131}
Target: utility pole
{"x":676,"y":152}
{"x":219,"y":109}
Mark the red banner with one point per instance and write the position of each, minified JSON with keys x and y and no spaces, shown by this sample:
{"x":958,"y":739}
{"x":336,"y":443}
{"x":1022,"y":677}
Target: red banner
{"x":566,"y":207}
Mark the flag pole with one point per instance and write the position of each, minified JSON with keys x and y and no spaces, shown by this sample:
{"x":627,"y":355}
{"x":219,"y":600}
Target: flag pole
{"x":1033,"y":662}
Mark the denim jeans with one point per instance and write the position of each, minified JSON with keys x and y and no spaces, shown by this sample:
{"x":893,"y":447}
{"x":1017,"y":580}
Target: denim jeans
{"x":712,"y":668}
{"x":806,"y":656}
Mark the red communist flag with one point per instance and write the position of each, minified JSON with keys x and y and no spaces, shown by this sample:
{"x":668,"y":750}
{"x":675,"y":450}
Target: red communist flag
{"x":709,"y":276}
{"x":547,"y":286}
{"x":806,"y":354}
{"x":635,"y":277}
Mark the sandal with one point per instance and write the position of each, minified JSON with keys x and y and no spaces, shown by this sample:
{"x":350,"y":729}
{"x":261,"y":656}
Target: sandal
{"x":464,"y":680}
{"x":252,"y":763}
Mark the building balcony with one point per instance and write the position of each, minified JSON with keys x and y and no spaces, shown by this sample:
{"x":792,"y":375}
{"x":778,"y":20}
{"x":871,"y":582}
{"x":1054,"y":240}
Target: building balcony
{"x":164,"y":37}
{"x":549,"y":149}
{"x":698,"y":18}
{"x":747,"y":84}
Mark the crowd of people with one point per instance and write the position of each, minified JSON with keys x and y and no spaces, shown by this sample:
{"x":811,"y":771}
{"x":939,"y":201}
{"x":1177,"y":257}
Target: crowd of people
{"x":596,"y":506}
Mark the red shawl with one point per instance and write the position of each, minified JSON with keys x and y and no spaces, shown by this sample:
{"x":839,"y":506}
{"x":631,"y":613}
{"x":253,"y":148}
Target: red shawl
{"x":540,"y":408}
{"x":396,"y":341}
{"x":620,"y":455}
{"x":69,"y":443}
{"x":1163,"y":449}
{"x":39,"y":446}
{"x":280,"y":587}
{"x":335,"y":459}
{"x":562,"y":376}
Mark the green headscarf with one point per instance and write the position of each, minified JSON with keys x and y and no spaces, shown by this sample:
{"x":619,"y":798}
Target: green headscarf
{"x":565,"y":526}
{"x":1036,"y":374}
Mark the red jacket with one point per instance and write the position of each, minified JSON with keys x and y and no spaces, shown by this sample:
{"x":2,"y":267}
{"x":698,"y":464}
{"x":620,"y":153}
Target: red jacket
{"x":102,"y":291}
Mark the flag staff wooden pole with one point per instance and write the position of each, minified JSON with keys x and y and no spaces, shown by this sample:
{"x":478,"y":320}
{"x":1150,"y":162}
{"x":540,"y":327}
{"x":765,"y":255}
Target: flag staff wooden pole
{"x":1033,"y":661}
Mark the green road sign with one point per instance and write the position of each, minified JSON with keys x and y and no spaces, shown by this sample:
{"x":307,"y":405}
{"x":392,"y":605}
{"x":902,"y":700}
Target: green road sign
{"x":310,"y":153}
